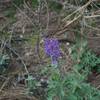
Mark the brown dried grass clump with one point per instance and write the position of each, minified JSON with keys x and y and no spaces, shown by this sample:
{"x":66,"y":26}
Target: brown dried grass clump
{"x":16,"y":94}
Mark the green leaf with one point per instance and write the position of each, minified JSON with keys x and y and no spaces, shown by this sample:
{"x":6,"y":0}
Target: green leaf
{"x":71,"y":97}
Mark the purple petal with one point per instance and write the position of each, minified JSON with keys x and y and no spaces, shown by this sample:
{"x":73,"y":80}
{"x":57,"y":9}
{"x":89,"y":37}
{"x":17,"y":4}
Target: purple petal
{"x":51,"y":47}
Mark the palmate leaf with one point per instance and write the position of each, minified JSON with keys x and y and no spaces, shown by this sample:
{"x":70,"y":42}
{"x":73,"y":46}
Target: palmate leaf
{"x":90,"y":60}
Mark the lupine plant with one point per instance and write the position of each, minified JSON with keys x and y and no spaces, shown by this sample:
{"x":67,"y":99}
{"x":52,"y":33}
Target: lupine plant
{"x":72,"y":85}
{"x":51,"y":47}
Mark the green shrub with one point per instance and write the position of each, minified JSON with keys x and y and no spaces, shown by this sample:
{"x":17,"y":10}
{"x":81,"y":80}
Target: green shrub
{"x":70,"y":87}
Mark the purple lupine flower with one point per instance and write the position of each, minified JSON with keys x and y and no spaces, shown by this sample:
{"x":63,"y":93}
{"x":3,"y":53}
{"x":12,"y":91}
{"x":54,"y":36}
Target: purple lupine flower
{"x":51,"y":46}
